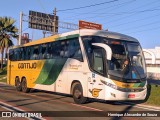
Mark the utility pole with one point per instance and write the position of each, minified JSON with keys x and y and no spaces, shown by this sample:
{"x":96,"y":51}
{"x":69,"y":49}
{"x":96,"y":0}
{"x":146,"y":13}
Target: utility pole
{"x":54,"y":21}
{"x":20,"y":28}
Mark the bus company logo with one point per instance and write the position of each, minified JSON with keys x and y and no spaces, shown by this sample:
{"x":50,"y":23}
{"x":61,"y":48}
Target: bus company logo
{"x":27,"y":65}
{"x":126,"y":85}
{"x":95,"y":92}
{"x":75,"y":67}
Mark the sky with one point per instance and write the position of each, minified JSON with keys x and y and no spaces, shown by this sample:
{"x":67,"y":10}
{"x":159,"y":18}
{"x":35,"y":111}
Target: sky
{"x":137,"y":18}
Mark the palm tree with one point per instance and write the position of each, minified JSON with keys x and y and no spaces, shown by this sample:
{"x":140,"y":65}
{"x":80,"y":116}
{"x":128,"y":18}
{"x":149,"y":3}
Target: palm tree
{"x":7,"y":32}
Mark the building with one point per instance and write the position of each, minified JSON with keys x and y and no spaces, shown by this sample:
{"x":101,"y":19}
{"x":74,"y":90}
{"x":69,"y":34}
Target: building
{"x":152,"y":57}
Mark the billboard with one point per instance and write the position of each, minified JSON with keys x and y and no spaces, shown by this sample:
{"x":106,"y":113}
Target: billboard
{"x":89,"y":25}
{"x":42,"y":21}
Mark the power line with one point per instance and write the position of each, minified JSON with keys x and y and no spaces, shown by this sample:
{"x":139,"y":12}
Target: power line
{"x":140,"y":26}
{"x":128,"y":16}
{"x":88,"y":6}
{"x":141,"y":11}
{"x":149,"y":17}
{"x":93,"y":12}
{"x":154,"y":28}
{"x":114,"y":14}
{"x":121,"y":13}
{"x":131,"y":12}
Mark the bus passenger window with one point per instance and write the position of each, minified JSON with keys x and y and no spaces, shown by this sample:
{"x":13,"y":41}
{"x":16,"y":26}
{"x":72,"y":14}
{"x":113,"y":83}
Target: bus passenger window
{"x":17,"y":54}
{"x":28,"y":53}
{"x":50,"y":51}
{"x":74,"y":50}
{"x":34,"y":53}
{"x":56,"y":49}
{"x":11,"y":55}
{"x":23,"y":52}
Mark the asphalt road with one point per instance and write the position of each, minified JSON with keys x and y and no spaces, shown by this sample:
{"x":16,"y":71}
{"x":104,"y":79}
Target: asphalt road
{"x":54,"y":106}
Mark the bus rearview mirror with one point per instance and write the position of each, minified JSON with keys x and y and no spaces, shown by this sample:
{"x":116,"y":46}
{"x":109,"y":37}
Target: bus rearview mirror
{"x":106,"y":48}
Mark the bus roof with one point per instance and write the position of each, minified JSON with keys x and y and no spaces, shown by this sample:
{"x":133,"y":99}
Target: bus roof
{"x":108,"y":34}
{"x":81,"y":32}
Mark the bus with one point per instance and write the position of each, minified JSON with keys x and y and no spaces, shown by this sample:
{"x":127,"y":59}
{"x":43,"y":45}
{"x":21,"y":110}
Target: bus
{"x":84,"y":63}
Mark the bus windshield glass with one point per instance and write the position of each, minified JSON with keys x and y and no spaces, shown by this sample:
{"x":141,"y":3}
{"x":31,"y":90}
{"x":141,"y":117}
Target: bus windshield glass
{"x":127,"y":61}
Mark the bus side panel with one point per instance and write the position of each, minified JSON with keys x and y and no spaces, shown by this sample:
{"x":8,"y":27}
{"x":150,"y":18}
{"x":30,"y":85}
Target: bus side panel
{"x":9,"y":72}
{"x":50,"y":73}
{"x":75,"y":73}
{"x":28,"y":69}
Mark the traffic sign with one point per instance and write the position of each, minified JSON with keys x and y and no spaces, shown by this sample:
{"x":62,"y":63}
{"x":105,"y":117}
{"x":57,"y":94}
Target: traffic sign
{"x":89,"y":25}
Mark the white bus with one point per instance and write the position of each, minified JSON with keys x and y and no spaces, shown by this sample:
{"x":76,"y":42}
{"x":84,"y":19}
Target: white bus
{"x":84,"y":63}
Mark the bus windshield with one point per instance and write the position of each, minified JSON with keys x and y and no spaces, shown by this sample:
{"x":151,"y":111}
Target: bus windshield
{"x":127,"y":62}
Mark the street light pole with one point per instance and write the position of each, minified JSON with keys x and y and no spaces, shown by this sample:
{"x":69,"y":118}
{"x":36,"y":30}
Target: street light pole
{"x":20,"y":28}
{"x":54,"y":21}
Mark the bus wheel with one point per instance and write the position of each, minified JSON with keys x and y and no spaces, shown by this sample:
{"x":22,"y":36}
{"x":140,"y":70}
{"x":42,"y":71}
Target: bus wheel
{"x":24,"y":86}
{"x":18,"y":84}
{"x":78,"y":94}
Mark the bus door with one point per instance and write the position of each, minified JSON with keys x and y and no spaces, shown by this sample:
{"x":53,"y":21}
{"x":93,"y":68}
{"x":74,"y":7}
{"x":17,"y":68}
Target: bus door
{"x":95,"y":86}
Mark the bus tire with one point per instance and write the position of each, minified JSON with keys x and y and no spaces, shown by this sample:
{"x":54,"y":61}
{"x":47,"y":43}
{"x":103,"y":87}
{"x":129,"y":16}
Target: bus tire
{"x":18,"y":84}
{"x":78,"y":94}
{"x":24,"y":86}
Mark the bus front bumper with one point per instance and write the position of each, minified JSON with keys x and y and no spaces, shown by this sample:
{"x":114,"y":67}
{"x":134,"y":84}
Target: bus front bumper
{"x":113,"y":94}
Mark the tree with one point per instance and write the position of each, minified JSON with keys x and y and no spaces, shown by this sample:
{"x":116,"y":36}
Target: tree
{"x":7,"y":31}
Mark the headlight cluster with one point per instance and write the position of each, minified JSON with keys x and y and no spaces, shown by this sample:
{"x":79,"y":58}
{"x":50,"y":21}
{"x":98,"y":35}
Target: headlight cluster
{"x":122,"y":89}
{"x":109,"y":84}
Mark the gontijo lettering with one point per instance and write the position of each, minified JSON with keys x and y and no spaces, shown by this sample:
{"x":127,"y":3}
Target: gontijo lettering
{"x":27,"y":65}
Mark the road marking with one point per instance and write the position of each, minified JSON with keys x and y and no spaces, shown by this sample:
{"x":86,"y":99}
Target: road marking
{"x":6,"y":108}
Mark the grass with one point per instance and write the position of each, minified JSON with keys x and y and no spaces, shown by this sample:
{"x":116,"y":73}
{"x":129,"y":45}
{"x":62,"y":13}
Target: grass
{"x":153,"y":95}
{"x":3,"y":73}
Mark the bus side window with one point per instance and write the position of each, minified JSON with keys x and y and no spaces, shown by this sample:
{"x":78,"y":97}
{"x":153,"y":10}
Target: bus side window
{"x":35,"y":53}
{"x":23,"y":52}
{"x":17,"y":54}
{"x":31,"y":49}
{"x":11,"y":55}
{"x":97,"y":60}
{"x":43,"y":53}
{"x":74,"y":50}
{"x":49,"y":53}
{"x":56,"y":49}
{"x":27,"y":56}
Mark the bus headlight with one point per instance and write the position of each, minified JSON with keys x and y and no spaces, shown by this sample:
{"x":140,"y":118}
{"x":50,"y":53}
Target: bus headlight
{"x":123,"y":89}
{"x":109,"y":84}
